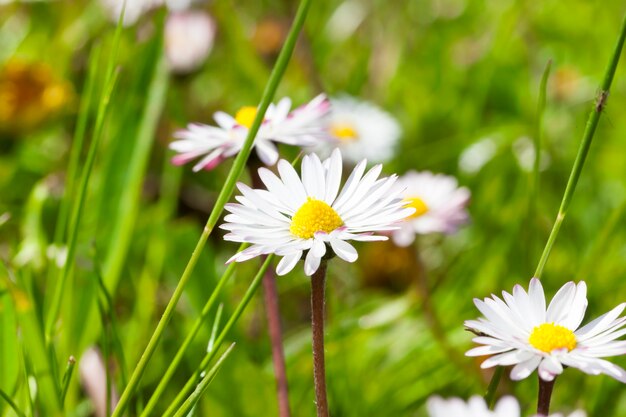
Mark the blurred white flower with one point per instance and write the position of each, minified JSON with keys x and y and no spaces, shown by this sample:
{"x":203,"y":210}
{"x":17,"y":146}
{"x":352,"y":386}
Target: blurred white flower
{"x":520,"y":331}
{"x":189,"y":37}
{"x":133,"y":9}
{"x":476,"y":406}
{"x":475,"y":156}
{"x":301,"y":127}
{"x":439,"y":202}
{"x":362,"y":130}
{"x":93,"y":377}
{"x":524,"y":151}
{"x":297,"y":214}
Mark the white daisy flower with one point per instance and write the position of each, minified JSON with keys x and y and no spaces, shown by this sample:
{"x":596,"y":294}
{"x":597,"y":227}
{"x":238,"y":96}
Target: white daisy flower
{"x":296,"y":214}
{"x":474,"y":407}
{"x":439,"y":202}
{"x":188,"y":39}
{"x":520,"y":331}
{"x":301,"y":127}
{"x":362,"y":130}
{"x":477,"y":407}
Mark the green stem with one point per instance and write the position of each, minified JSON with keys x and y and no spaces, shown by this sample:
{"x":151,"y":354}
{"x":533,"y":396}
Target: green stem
{"x":171,"y":369}
{"x":252,"y":288}
{"x":67,"y":377}
{"x":9,"y":401}
{"x":202,"y":386}
{"x":490,"y":395}
{"x":590,"y":129}
{"x":224,"y":196}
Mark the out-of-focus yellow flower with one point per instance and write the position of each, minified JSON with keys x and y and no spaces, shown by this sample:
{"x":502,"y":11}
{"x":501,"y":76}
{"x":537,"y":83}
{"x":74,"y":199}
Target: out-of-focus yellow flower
{"x":29,"y":94}
{"x":385,"y":265}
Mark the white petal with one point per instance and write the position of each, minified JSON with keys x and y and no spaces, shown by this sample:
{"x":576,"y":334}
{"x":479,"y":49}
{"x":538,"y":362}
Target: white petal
{"x":288,"y":263}
{"x":311,"y":263}
{"x":344,"y":250}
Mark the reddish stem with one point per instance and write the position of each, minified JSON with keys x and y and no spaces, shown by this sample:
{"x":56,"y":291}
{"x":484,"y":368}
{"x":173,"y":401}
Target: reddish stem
{"x":318,"y":284}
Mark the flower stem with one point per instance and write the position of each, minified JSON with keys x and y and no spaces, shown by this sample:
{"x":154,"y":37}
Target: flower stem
{"x":278,"y":355}
{"x":318,"y":284}
{"x":543,"y":400}
{"x":583,"y":150}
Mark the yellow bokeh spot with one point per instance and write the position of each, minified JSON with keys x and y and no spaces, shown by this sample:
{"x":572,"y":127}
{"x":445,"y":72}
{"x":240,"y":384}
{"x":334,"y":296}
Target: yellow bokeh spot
{"x":314,"y":216}
{"x":344,"y":131}
{"x":245,"y":116}
{"x":549,"y":336}
{"x":418,"y":204}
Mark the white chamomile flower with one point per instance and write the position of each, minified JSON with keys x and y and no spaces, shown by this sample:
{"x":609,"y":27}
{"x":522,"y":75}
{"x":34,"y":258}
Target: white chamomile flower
{"x":301,"y":127}
{"x":297,"y":214}
{"x":362,"y":130}
{"x":477,"y":407}
{"x":439,"y":202}
{"x":474,"y":407}
{"x":520,"y":331}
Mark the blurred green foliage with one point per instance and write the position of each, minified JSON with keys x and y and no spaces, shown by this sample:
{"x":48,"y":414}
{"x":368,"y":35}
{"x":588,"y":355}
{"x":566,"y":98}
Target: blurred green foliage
{"x":461,"y":76}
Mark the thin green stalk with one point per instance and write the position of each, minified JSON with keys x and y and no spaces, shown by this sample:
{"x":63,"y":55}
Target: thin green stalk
{"x":590,"y":129}
{"x":67,"y":377}
{"x":536,"y":174}
{"x":252,"y":288}
{"x":171,"y":369}
{"x":77,"y":146}
{"x":592,"y":123}
{"x":9,"y":401}
{"x":202,"y":386}
{"x":224,"y":196}
{"x":77,"y":211}
{"x":490,"y":395}
{"x":216,"y":325}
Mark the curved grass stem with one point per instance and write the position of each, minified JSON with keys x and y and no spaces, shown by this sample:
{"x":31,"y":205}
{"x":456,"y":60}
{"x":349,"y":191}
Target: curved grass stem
{"x":224,"y":196}
{"x":579,"y":162}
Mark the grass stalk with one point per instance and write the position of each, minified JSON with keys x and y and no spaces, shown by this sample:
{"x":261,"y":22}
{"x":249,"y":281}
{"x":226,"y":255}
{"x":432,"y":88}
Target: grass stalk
{"x":224,"y":196}
{"x":252,"y":288}
{"x":583,"y":150}
{"x":202,"y":386}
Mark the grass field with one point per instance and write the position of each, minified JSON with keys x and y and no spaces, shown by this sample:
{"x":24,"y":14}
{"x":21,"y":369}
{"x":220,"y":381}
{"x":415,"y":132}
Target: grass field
{"x":97,"y":226}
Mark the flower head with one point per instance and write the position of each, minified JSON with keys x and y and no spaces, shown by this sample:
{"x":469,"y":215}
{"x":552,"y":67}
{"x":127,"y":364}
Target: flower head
{"x":362,"y":130}
{"x":439,"y":202}
{"x":297,"y":214}
{"x":300,"y":127}
{"x":521,"y":331}
{"x":188,"y":39}
{"x":477,"y":407}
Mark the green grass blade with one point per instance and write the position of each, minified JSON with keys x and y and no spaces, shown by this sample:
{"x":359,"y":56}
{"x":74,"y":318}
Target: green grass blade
{"x":202,"y":386}
{"x":252,"y":288}
{"x":224,"y":196}
{"x":11,"y":404}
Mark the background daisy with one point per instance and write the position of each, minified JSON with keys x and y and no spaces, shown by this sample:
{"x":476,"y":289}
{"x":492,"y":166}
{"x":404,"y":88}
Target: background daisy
{"x":310,"y":214}
{"x":474,"y":407}
{"x":439,"y":202}
{"x":521,"y":331}
{"x":300,"y":127}
{"x":362,"y":130}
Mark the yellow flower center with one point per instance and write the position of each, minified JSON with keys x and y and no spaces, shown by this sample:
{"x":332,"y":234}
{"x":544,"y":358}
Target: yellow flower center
{"x":314,"y":216}
{"x":344,"y":132}
{"x":550,"y":336}
{"x":245,"y":116}
{"x":419,"y":206}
